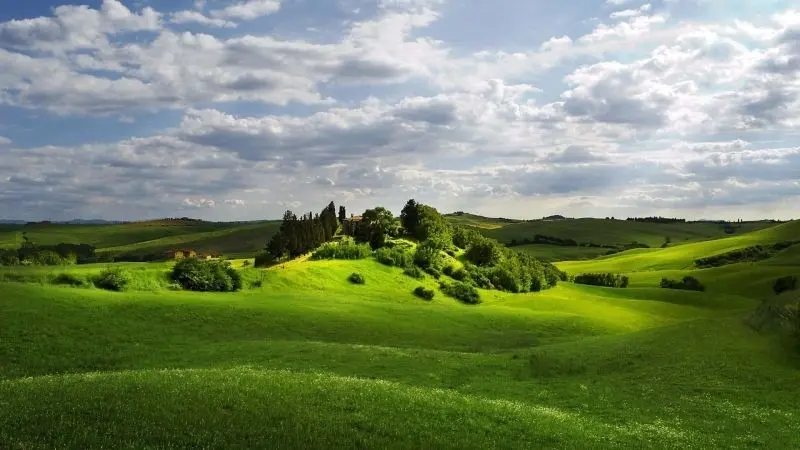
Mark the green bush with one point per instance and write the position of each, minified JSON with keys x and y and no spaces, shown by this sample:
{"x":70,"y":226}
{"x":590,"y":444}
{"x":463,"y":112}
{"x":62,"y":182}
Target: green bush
{"x":484,"y":252}
{"x":783,"y":284}
{"x":414,"y":272}
{"x":9,"y":257}
{"x":463,"y":292}
{"x":263,"y":259}
{"x":429,"y":257}
{"x":347,"y":249}
{"x":394,"y":256}
{"x":206,"y":276}
{"x":112,"y":279}
{"x":423,"y":293}
{"x":602,"y":279}
{"x":459,"y":274}
{"x":687,"y":284}
{"x":68,"y":279}
{"x":356,"y":278}
{"x":448,"y":270}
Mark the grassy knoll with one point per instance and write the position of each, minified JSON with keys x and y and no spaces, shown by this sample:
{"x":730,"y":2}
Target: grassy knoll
{"x":309,"y":360}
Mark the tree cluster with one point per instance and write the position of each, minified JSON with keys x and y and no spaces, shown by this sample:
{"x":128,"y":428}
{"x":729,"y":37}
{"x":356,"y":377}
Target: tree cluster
{"x":47,"y":255}
{"x":747,"y":254}
{"x":298,"y":236}
{"x":688,"y":283}
{"x":602,"y":279}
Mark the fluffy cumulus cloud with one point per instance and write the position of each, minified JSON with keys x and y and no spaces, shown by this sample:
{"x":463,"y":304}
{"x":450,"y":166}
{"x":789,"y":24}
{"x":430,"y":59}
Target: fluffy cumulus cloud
{"x":249,"y":107}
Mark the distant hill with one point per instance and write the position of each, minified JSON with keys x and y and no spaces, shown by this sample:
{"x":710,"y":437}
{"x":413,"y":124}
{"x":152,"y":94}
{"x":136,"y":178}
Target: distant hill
{"x":148,"y":238}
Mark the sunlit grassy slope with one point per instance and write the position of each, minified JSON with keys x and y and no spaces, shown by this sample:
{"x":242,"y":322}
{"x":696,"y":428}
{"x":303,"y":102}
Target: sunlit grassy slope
{"x":646,"y":267}
{"x":311,"y":361}
{"x":235,"y":239}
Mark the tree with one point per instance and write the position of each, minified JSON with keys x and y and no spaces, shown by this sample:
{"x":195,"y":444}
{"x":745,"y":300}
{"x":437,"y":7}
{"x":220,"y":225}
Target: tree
{"x":484,"y":252}
{"x":432,"y":226}
{"x":342,"y":214}
{"x":409,"y":217}
{"x":376,"y":224}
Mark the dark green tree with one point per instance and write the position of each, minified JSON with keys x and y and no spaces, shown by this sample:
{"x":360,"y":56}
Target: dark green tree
{"x":409,"y":217}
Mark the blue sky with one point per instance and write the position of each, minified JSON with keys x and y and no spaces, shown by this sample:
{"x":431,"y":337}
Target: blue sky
{"x":240,"y":109}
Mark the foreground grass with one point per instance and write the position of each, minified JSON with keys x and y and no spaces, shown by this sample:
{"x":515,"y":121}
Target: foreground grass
{"x":310,"y":361}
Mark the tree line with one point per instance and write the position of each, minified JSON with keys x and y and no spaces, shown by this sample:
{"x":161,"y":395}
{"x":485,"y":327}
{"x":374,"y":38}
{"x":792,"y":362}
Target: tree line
{"x":656,"y":219}
{"x":298,"y":236}
{"x":30,"y":253}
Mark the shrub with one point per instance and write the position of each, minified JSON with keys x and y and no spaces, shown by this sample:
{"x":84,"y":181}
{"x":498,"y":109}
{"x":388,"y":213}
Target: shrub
{"x":347,"y":248}
{"x":478,"y":276}
{"x":112,"y":279}
{"x":9,"y":257}
{"x":602,"y":279}
{"x":396,"y":257}
{"x":263,"y":259}
{"x":783,"y":284}
{"x":414,"y":272}
{"x":428,"y":257}
{"x":459,"y":274}
{"x":463,"y":292}
{"x":206,"y":276}
{"x":434,"y":272}
{"x":47,"y":258}
{"x":484,"y":252}
{"x":356,"y":278}
{"x":687,"y":283}
{"x":246,"y":263}
{"x":423,"y":293}
{"x":68,"y":279}
{"x":448,"y":270}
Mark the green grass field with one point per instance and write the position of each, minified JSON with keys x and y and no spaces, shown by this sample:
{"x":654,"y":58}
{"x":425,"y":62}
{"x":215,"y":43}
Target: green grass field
{"x":309,"y":360}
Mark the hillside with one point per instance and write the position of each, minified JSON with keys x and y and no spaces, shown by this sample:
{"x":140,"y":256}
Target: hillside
{"x":303,"y":358}
{"x":647,"y":266}
{"x":149,"y":237}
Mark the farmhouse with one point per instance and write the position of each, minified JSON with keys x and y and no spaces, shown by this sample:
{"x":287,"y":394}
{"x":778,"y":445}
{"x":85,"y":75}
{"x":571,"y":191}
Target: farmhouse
{"x":350,"y":224}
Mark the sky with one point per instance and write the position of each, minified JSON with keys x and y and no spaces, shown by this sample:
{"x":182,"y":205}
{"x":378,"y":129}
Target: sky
{"x":241,"y":109}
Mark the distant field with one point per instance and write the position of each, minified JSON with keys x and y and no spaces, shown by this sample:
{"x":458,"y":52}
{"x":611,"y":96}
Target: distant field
{"x":617,"y":232}
{"x":553,"y":253}
{"x":308,"y":360}
{"x":475,"y":221}
{"x":231,"y":239}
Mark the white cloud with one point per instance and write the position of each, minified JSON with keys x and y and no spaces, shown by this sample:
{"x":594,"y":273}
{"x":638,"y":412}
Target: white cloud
{"x":643,"y":113}
{"x":188,"y":16}
{"x":628,"y":13}
{"x":4,"y":141}
{"x":247,"y":10}
{"x":199,"y":202}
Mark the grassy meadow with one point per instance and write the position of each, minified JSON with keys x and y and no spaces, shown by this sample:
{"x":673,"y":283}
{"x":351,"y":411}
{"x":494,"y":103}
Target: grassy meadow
{"x":305,"y":359}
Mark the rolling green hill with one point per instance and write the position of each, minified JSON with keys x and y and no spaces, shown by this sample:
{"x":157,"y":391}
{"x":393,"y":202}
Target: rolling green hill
{"x":616,"y":232}
{"x":309,"y":360}
{"x":139,"y":238}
